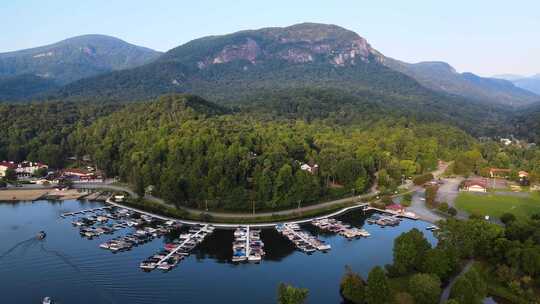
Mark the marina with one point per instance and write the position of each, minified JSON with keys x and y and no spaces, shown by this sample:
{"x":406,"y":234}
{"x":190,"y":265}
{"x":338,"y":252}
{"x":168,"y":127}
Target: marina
{"x":247,"y":245}
{"x":303,"y":240}
{"x":335,"y":226}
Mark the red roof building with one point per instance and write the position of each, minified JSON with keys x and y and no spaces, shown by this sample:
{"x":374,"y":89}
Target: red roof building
{"x":475,"y":185}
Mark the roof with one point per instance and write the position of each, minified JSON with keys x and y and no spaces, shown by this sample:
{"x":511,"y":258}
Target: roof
{"x":394,"y":207}
{"x":11,"y":165}
{"x":76,"y":171}
{"x":475,"y":182}
{"x":523,"y":173}
{"x":499,"y":170}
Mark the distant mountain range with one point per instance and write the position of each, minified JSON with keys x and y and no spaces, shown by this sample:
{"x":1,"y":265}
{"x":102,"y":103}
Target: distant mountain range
{"x":531,"y":83}
{"x":233,"y":67}
{"x":442,"y":77}
{"x":37,"y":69}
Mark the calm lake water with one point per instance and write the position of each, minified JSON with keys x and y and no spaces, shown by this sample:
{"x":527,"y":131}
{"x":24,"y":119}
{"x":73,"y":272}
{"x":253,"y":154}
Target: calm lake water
{"x":71,"y":269}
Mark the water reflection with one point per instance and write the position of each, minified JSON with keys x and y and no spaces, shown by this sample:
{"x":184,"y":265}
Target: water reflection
{"x":72,"y":269}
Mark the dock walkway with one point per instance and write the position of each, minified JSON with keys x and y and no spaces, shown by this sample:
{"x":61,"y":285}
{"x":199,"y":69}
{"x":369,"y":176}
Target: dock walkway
{"x":168,"y":256}
{"x":85,"y":211}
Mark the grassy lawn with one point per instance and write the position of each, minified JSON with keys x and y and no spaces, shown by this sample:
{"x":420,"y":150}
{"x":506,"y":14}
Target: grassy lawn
{"x":495,"y":205}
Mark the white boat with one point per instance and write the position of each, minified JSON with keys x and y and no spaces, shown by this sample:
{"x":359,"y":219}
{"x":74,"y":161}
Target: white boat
{"x":254,"y":258}
{"x":47,"y":300}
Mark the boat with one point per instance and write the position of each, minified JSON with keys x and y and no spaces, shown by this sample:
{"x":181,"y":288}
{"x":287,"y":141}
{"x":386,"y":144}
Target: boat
{"x":47,"y":300}
{"x":41,"y":235}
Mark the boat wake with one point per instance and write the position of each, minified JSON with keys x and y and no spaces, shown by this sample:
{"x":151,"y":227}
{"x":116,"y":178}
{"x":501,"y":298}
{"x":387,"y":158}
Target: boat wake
{"x":10,"y":250}
{"x":68,"y":262}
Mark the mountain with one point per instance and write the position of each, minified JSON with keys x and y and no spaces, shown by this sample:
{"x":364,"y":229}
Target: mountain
{"x":529,"y":83}
{"x":16,"y":88}
{"x":75,"y":58}
{"x":442,"y":77}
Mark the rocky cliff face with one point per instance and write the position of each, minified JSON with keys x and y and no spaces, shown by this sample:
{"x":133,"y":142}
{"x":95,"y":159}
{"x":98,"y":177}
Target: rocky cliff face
{"x":298,"y":44}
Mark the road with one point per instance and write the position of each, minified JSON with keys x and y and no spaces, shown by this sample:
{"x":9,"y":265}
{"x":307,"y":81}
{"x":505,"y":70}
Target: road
{"x":418,"y":207}
{"x":446,"y":292}
{"x":228,"y":214}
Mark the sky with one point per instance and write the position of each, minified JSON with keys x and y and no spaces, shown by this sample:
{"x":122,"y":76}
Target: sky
{"x":479,"y":36}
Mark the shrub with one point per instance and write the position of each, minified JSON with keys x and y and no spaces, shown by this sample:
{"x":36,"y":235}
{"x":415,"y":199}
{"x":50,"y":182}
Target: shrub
{"x":452,"y":211}
{"x":443,"y":207}
{"x":422,"y":179}
{"x":507,"y":218}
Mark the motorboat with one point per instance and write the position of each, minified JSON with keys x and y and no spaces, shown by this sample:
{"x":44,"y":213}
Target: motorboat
{"x":47,"y":300}
{"x":41,"y":235}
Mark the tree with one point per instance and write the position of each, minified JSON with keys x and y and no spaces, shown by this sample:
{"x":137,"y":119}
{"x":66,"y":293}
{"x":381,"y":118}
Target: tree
{"x":352,"y":287}
{"x":288,"y":294}
{"x":377,"y":288}
{"x":403,"y":298}
{"x":443,"y":207}
{"x":507,"y":218}
{"x":437,"y":262}
{"x":431,"y":195}
{"x":41,"y":172}
{"x":10,"y":175}
{"x":452,"y":211}
{"x":409,"y":251}
{"x":469,"y":288}
{"x":425,"y":288}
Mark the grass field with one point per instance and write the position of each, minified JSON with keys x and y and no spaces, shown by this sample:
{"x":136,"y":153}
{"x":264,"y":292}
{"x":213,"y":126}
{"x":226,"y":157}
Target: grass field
{"x":497,"y":204}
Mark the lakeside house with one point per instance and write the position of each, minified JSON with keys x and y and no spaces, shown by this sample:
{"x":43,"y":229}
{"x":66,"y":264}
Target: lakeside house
{"x":499,"y":173}
{"x":4,"y":166}
{"x":25,"y":169}
{"x":81,"y":175}
{"x":475,"y":185}
{"x":396,"y":208}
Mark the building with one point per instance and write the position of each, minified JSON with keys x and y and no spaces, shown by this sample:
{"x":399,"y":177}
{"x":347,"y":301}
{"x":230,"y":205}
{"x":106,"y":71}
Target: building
{"x":27,"y":169}
{"x":396,"y":208}
{"x":499,"y":173}
{"x":4,"y":166}
{"x":81,"y":175}
{"x":475,"y":186}
{"x":311,"y":169}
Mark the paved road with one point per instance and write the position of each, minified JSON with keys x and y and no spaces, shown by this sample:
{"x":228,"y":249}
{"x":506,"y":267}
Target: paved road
{"x":418,"y":206}
{"x":227,"y":214}
{"x":446,"y":292}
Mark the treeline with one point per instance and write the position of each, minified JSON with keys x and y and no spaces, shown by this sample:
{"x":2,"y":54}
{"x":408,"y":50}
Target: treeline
{"x":490,"y":154}
{"x":39,"y":131}
{"x":505,"y":263}
{"x":193,"y":153}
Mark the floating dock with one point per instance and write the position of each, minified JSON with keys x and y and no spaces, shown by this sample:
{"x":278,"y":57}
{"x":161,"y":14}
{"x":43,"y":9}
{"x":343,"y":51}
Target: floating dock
{"x":335,"y":226}
{"x":302,"y":239}
{"x":85,"y":211}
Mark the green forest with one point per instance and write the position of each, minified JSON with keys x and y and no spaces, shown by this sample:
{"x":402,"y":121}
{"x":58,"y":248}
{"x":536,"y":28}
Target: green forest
{"x":193,"y":152}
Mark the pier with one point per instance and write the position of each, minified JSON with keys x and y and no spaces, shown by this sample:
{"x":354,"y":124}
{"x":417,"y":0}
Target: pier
{"x":85,"y":211}
{"x":181,"y":246}
{"x":302,"y":239}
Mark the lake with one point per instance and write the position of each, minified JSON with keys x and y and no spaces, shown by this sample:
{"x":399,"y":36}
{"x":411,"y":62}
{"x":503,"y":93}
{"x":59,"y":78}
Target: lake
{"x":71,"y":269}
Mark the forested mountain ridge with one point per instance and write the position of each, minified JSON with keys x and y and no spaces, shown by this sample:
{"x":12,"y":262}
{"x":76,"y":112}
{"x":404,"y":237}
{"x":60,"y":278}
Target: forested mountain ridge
{"x":20,"y":87}
{"x":230,"y":159}
{"x":440,"y":76}
{"x":241,"y":67}
{"x":75,"y":58}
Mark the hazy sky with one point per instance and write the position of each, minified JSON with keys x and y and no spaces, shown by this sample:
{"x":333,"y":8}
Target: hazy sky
{"x":481,"y":36}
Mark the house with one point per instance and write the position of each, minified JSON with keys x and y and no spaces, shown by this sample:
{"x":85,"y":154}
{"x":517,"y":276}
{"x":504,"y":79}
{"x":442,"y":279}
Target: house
{"x":396,"y":208}
{"x":499,"y":173}
{"x":311,"y":169}
{"x":474,"y":185}
{"x":80,"y":175}
{"x":4,"y":166}
{"x":26,"y":169}
{"x":523,"y":178}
